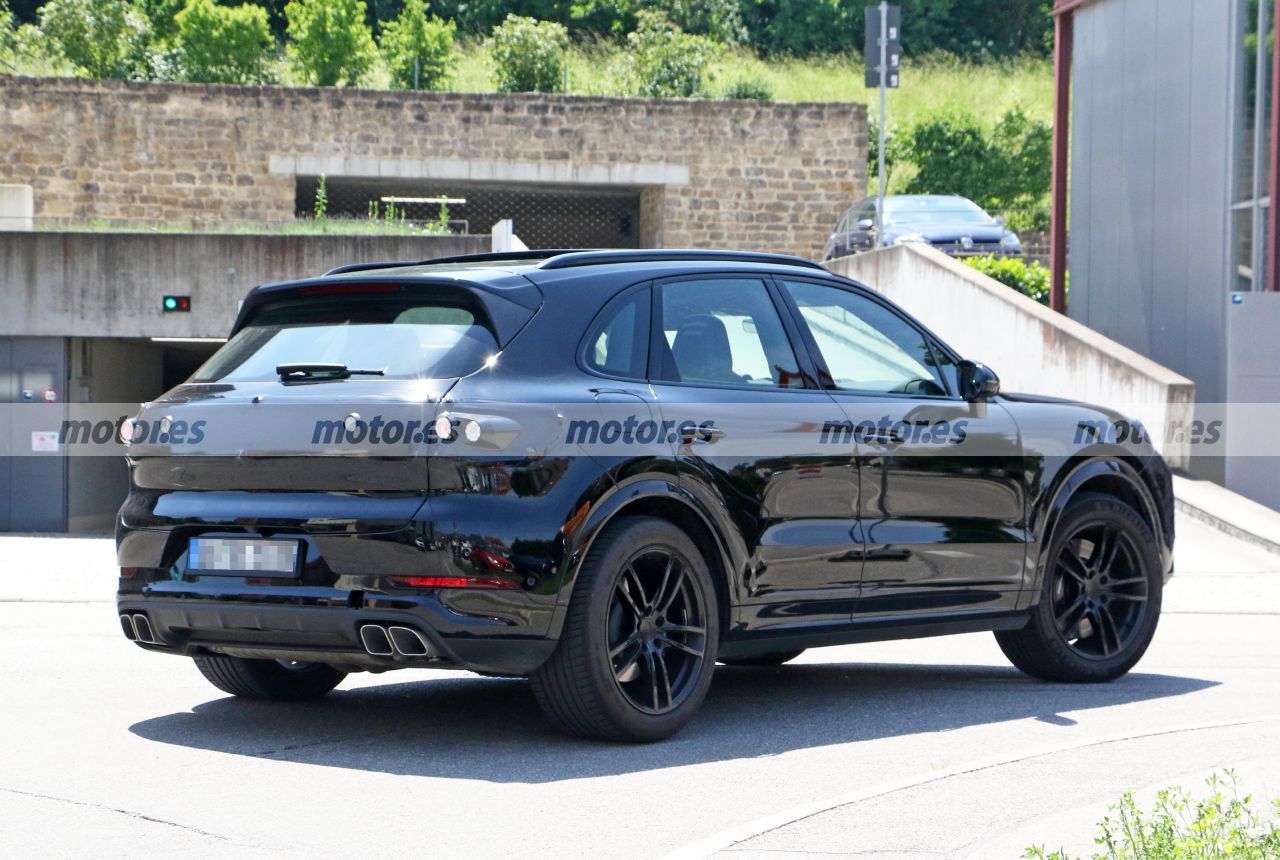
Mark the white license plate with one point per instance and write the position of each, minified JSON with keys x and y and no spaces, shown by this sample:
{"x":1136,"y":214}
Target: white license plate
{"x":242,"y":555}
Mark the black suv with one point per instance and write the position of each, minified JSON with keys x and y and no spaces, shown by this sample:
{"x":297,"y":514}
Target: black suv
{"x":608,"y":470}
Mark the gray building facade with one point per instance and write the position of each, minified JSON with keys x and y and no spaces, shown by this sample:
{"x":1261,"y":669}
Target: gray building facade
{"x":1171,"y":150}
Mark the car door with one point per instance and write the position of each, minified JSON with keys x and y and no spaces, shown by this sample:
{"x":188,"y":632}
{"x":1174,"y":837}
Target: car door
{"x":862,"y":233}
{"x":943,"y":485}
{"x":724,"y":367}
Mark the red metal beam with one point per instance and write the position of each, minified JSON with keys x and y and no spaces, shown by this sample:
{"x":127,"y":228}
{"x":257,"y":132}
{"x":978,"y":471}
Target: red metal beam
{"x":1062,"y":36}
{"x":1061,"y":7}
{"x":1272,"y":234}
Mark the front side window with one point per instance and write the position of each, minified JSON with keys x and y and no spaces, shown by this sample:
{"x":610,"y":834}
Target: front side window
{"x":403,"y":337}
{"x":866,"y":346}
{"x":724,"y":331}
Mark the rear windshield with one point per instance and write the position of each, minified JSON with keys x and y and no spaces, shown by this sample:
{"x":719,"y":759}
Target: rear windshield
{"x":404,"y":337}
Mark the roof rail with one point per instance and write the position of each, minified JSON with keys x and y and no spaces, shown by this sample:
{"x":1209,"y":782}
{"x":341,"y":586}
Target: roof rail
{"x":568,"y":258}
{"x":495,"y":257}
{"x":571,"y":259}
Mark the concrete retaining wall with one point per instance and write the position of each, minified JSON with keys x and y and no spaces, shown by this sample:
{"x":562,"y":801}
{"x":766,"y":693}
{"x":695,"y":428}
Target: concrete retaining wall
{"x":1033,"y":349}
{"x":111,"y":284}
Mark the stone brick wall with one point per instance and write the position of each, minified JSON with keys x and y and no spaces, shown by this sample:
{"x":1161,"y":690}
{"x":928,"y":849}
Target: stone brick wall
{"x":739,"y":174}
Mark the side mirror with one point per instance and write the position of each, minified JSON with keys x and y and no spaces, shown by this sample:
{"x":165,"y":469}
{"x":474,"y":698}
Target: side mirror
{"x":977,"y":381}
{"x":1001,"y":221}
{"x":866,"y":224}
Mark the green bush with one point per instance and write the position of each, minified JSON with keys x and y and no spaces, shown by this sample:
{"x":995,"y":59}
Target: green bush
{"x":98,"y":38}
{"x":1007,"y":168}
{"x":163,"y":15}
{"x":329,"y":41}
{"x":417,"y":47}
{"x":529,"y":55}
{"x":667,"y":62}
{"x":755,"y":89}
{"x":1027,"y":277}
{"x":8,"y":31}
{"x":1223,"y":825}
{"x":223,"y":44}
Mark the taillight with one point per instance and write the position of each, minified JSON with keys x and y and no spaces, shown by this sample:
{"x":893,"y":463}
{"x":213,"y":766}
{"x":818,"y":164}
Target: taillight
{"x":126,"y":572}
{"x":451,"y":582}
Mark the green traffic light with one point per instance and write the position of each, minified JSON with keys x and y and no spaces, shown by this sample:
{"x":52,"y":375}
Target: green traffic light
{"x":170,"y":303}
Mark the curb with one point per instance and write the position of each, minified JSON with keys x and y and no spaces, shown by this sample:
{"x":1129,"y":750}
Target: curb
{"x":1226,"y":527}
{"x":726,"y":839}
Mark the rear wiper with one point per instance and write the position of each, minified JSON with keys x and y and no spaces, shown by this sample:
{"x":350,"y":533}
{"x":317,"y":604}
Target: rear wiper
{"x":319,"y":370}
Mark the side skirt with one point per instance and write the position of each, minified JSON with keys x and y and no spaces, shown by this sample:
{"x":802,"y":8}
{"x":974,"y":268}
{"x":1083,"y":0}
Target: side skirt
{"x":880,"y":629}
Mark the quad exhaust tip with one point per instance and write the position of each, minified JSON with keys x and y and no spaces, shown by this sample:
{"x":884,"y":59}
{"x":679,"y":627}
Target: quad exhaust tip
{"x":408,"y":642}
{"x":376,"y":641}
{"x":394,"y":640}
{"x":137,"y":628}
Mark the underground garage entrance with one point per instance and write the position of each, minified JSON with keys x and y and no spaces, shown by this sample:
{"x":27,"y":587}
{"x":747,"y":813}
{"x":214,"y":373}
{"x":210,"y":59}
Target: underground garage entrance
{"x":544,"y":216}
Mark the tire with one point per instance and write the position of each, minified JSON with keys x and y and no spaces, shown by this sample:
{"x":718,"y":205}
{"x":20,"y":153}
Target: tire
{"x":1099,"y":600}
{"x":643,"y":610}
{"x":776,"y":658}
{"x":268,"y":679}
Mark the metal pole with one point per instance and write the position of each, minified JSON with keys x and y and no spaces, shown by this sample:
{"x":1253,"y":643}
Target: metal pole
{"x":1260,"y":128}
{"x":416,"y":63}
{"x":1273,"y":186}
{"x":884,"y":74}
{"x":1063,"y":26}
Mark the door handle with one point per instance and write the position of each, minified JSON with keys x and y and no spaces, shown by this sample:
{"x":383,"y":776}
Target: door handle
{"x":703,"y":434}
{"x":884,"y":437}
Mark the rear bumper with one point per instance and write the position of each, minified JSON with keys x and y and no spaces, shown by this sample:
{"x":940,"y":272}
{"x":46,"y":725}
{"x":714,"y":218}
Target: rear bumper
{"x":326,"y":628}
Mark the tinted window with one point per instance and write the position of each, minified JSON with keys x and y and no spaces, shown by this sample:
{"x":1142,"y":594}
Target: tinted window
{"x":405,"y":337}
{"x":866,"y":346}
{"x":617,"y":343}
{"x":725,"y":331}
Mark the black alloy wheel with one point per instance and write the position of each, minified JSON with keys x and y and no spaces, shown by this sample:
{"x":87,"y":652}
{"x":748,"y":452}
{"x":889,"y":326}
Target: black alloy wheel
{"x":638,"y":648}
{"x":1099,"y":590}
{"x":657,"y":632}
{"x":1100,"y":597}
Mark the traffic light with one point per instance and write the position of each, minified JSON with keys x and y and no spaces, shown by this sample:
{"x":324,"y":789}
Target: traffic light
{"x":176,"y":304}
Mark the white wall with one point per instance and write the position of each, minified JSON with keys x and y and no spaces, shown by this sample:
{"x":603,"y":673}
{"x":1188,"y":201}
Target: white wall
{"x":17,"y":207}
{"x":1033,"y":349}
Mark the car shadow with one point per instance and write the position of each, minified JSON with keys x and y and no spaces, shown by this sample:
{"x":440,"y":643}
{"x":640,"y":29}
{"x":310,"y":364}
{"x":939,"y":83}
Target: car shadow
{"x":491,"y":729}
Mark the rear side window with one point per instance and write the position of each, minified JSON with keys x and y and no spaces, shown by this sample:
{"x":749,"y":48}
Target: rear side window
{"x":406,"y":337}
{"x":617,"y":343}
{"x":724,"y":331}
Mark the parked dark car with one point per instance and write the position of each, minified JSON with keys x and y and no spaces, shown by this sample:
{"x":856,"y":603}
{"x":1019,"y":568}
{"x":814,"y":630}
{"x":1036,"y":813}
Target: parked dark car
{"x":952,"y":224}
{"x":615,"y":576}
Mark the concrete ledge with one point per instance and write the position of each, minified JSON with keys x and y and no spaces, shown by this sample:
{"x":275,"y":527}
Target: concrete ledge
{"x":1228,"y":512}
{"x":561,"y":172}
{"x":1032,"y":348}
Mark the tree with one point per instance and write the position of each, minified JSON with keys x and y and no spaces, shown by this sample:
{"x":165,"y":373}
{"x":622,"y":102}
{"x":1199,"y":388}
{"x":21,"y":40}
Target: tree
{"x":223,"y":44}
{"x":329,"y":41}
{"x":529,"y":55}
{"x":1007,"y":168}
{"x":8,"y":32}
{"x":666,"y":61}
{"x":418,"y":48}
{"x":98,"y":38}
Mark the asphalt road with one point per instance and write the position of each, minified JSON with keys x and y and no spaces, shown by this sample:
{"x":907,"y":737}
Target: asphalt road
{"x":928,"y":747}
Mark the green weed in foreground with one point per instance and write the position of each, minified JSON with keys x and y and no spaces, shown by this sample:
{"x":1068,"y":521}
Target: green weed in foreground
{"x":1222,"y":825}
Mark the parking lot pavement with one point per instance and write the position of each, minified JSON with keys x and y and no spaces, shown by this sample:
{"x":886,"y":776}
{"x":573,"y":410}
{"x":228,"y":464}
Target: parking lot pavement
{"x":925,"y":746}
